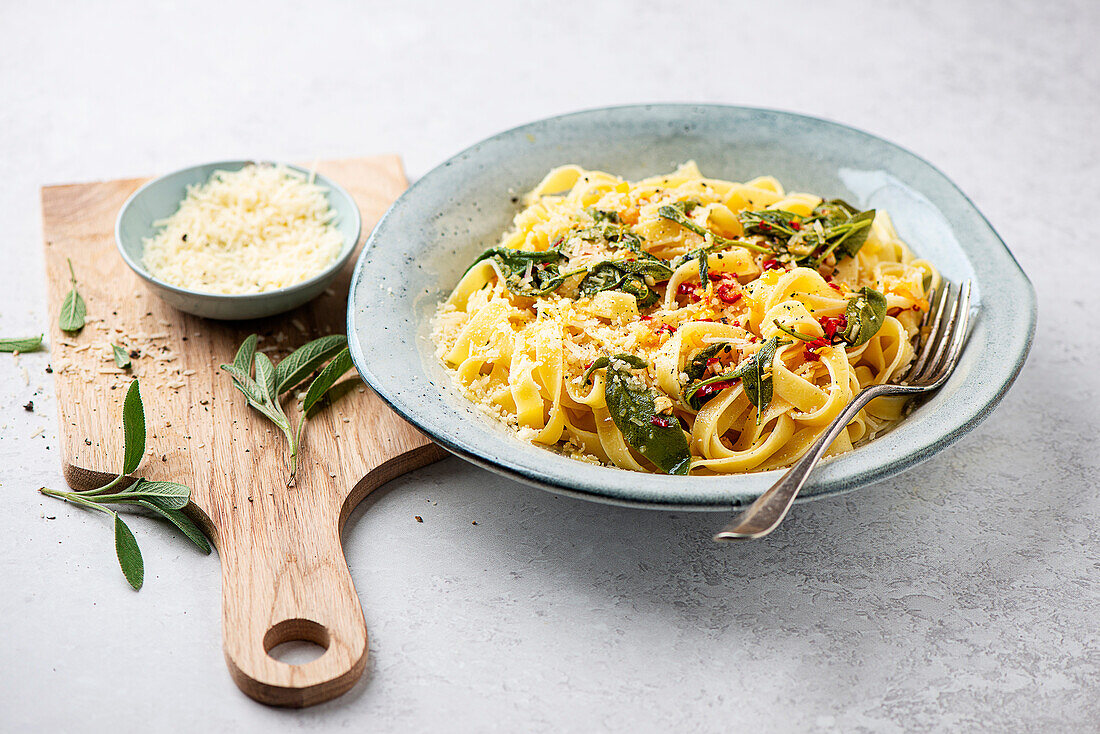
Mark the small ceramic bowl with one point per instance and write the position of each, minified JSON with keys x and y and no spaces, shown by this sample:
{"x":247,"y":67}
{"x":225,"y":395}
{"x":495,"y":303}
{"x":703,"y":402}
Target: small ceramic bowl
{"x":161,"y":198}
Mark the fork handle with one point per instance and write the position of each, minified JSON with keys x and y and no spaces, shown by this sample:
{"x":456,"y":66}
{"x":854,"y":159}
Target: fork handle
{"x":769,"y":509}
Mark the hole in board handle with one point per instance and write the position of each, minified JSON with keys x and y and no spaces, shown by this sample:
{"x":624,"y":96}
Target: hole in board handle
{"x":296,"y":641}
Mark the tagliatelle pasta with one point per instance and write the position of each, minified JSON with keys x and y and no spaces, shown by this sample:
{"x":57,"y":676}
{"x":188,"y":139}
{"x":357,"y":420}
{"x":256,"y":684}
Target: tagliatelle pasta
{"x":685,"y":324}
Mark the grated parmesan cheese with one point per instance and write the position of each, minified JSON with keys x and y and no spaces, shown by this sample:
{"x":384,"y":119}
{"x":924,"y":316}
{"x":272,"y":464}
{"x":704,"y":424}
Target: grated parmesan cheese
{"x":249,"y":231}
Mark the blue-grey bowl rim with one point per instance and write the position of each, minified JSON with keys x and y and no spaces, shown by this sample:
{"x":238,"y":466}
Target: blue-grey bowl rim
{"x":562,"y":485}
{"x":345,"y":252}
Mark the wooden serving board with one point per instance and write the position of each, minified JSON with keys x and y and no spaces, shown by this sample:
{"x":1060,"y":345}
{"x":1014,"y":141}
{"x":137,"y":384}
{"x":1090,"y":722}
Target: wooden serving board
{"x":284,"y":576}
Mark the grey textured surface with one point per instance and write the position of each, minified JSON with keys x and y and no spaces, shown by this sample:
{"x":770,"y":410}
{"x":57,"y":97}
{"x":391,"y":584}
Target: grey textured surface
{"x":963,"y":595}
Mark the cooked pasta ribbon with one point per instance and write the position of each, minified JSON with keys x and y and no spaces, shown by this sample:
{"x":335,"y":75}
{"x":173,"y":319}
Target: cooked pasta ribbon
{"x":726,"y":324}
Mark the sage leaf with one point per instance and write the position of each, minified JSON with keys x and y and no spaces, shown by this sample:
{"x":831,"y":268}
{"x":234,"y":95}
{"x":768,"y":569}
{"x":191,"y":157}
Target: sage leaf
{"x":28,"y":344}
{"x":834,"y":211}
{"x":777,"y":224}
{"x":697,"y":366}
{"x":133,"y":428}
{"x":122,"y":357}
{"x":845,"y":230}
{"x":601,"y":217}
{"x":598,"y":364}
{"x":603,"y":361}
{"x":169,"y":495}
{"x":865,"y":314}
{"x":243,"y":360}
{"x":659,"y":439}
{"x":245,"y":384}
{"x":613,"y":234}
{"x":129,"y":555}
{"x":332,"y":372}
{"x":181,"y":521}
{"x":257,"y":396}
{"x":678,"y":213}
{"x":526,"y":273}
{"x":265,"y":377}
{"x":627,"y":276}
{"x":754,"y":373}
{"x":756,"y":376}
{"x":73,"y":309}
{"x":305,"y":360}
{"x":846,"y":240}
{"x":695,"y":396}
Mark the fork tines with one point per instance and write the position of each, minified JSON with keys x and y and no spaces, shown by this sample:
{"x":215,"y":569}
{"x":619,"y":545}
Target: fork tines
{"x":945,"y":337}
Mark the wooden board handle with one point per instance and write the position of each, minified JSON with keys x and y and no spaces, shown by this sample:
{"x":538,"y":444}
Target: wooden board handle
{"x":284,"y":578}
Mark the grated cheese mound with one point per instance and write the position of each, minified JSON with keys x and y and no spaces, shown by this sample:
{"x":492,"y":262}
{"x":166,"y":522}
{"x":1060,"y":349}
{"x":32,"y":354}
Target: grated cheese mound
{"x":249,"y":231}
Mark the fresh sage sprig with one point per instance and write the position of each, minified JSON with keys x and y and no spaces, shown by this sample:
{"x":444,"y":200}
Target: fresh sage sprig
{"x":775,"y":223}
{"x":697,"y":366}
{"x":261,"y":392}
{"x":833,"y":228}
{"x":73,"y":310}
{"x":755,"y":374}
{"x":122,"y":357}
{"x":628,"y":276}
{"x":27,"y":344}
{"x":271,"y":381}
{"x":678,"y":213}
{"x":527,"y":273}
{"x":633,"y":409}
{"x":166,"y":499}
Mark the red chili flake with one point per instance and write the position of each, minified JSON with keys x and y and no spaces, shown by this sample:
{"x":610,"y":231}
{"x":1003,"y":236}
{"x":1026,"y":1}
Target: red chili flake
{"x":665,"y":327}
{"x":706,"y":392}
{"x":765,"y":226}
{"x":812,"y":347}
{"x":796,"y":225}
{"x":833,"y":324}
{"x":771,"y":264}
{"x":645,"y":318}
{"x":727,"y":293}
{"x":687,"y":289}
{"x":894,"y":311}
{"x":836,"y":287}
{"x":661,"y":421}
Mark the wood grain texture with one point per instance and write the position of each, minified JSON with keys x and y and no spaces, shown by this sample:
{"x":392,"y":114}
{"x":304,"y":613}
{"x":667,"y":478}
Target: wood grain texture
{"x":284,"y":576}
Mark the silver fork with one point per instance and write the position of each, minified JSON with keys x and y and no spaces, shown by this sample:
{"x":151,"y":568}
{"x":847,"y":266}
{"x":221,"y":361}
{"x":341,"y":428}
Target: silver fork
{"x":929,"y":371}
